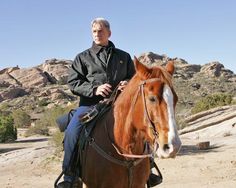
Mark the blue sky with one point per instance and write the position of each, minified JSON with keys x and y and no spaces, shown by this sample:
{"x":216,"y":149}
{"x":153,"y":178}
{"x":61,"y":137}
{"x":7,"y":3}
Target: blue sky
{"x":199,"y":31}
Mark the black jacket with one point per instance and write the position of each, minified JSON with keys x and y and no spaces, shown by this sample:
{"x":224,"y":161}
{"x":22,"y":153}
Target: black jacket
{"x":88,"y":72}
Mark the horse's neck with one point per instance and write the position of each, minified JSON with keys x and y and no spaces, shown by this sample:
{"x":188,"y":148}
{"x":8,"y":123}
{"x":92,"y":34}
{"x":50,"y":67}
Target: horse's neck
{"x":126,"y":136}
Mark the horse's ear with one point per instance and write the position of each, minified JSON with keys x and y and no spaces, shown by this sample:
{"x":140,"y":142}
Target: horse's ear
{"x":136,"y":62}
{"x":141,"y":69}
{"x":170,"y":67}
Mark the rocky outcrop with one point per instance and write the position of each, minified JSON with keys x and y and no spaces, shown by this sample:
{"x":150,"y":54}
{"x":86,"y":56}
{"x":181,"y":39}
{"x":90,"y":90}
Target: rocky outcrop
{"x":8,"y":70}
{"x":12,"y":92}
{"x":6,"y":80}
{"x":186,"y":71}
{"x":215,"y":123}
{"x":56,"y":70}
{"x":32,"y":77}
{"x":51,"y":72}
{"x":216,"y":69}
{"x":16,"y":82}
{"x":48,"y":81}
{"x":151,"y":58}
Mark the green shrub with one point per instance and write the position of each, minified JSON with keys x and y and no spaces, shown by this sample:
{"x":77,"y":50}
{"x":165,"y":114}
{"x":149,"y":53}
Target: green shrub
{"x":212,"y":101}
{"x":57,"y":137}
{"x":43,"y":102}
{"x":38,"y":129}
{"x":8,"y":131}
{"x":50,"y":115}
{"x":4,"y":106}
{"x":56,"y":141}
{"x":21,"y":118}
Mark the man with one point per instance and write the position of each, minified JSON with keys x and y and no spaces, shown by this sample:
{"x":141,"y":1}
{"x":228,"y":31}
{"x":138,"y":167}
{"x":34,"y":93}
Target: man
{"x":94,"y":74}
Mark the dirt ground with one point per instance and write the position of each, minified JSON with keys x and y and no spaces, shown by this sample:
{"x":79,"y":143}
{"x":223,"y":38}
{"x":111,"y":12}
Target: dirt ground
{"x":29,"y":163}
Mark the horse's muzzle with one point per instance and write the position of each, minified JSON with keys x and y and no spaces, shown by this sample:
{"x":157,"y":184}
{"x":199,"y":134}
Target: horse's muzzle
{"x":169,"y":150}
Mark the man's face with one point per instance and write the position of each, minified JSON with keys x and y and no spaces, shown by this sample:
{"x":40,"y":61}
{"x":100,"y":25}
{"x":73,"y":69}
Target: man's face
{"x":100,"y":34}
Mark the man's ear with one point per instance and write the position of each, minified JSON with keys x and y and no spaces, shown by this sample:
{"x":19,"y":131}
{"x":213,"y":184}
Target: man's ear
{"x":170,"y":67}
{"x":109,"y":33}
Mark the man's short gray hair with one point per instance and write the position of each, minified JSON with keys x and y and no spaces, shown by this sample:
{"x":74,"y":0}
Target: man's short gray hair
{"x":102,"y":21}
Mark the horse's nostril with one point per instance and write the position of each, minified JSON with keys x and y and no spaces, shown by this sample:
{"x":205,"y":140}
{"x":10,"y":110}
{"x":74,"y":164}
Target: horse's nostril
{"x":166,"y":147}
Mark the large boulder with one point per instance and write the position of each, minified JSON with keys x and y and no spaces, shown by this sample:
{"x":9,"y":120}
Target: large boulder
{"x":6,"y":80}
{"x":12,"y":92}
{"x":151,"y":58}
{"x":56,"y":70}
{"x":216,"y":69}
{"x":32,"y":77}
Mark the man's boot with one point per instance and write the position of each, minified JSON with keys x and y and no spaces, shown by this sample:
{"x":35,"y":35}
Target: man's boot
{"x":64,"y":184}
{"x":154,"y":179}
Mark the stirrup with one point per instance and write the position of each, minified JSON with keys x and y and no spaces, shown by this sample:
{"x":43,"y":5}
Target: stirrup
{"x":58,"y":178}
{"x":153,"y":178}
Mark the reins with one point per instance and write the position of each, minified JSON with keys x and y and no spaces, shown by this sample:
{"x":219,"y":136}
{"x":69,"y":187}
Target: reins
{"x":129,"y":164}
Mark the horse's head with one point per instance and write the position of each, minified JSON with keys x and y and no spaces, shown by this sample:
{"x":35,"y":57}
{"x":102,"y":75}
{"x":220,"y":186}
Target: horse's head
{"x":155,"y":107}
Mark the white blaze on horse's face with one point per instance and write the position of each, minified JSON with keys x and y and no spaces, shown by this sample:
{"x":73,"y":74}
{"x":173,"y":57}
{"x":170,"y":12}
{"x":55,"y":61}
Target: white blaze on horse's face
{"x":174,"y":143}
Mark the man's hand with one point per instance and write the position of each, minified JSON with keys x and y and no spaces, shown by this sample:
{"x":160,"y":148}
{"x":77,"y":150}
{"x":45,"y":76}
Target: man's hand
{"x":103,"y":90}
{"x":122,"y":85}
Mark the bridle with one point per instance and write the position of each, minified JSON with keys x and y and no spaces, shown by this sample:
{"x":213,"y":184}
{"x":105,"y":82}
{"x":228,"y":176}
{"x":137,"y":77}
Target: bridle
{"x":151,"y":125}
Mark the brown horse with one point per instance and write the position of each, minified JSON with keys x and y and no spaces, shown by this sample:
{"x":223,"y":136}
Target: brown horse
{"x":141,"y":119}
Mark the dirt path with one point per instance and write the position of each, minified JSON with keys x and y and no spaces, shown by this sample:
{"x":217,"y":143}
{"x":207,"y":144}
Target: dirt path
{"x":28,"y":163}
{"x":212,"y":168}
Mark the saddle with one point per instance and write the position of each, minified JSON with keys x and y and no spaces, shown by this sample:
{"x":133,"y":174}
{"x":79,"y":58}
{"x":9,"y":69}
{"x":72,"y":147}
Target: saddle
{"x":88,"y":120}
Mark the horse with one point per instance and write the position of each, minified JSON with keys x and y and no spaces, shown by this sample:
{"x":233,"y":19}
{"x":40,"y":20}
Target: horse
{"x":139,"y":125}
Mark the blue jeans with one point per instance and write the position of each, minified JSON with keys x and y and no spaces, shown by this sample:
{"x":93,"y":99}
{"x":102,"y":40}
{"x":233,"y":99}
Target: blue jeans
{"x":71,"y":137}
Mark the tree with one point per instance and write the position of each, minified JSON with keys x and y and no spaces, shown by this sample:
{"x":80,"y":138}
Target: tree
{"x":8,"y":131}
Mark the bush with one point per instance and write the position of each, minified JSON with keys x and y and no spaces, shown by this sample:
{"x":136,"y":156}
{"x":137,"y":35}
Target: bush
{"x":56,"y":141}
{"x":38,"y":129}
{"x":58,"y":136}
{"x":21,"y":118}
{"x":212,"y":101}
{"x":50,"y":115}
{"x":43,"y":102}
{"x":8,"y":131}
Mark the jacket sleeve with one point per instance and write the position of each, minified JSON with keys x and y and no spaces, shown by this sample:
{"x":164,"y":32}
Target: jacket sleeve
{"x":77,"y":81}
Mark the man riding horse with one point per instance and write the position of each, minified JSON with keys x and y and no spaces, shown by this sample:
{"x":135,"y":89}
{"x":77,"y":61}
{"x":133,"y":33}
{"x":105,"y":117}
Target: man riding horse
{"x":94,"y":74}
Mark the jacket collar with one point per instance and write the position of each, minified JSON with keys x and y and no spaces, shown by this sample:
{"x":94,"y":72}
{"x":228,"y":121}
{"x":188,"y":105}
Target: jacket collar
{"x":96,"y":48}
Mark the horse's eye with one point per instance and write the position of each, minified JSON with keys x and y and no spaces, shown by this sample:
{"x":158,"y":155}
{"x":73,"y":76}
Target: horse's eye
{"x":152,"y":98}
